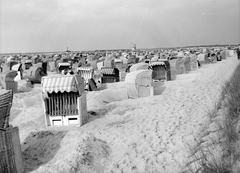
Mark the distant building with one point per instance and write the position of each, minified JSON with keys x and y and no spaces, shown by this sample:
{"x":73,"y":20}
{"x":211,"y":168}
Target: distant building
{"x":134,"y":47}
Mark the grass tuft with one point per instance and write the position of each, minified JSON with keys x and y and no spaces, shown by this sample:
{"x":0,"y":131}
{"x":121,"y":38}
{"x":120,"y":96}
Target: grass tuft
{"x":221,"y":153}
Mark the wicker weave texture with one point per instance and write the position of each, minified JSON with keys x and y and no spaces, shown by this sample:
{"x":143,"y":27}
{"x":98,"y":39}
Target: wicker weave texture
{"x":6,"y":97}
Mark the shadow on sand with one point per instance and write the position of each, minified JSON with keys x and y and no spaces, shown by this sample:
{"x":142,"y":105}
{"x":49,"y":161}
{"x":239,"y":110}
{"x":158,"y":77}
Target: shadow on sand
{"x":99,"y":113}
{"x":159,"y":90}
{"x":40,"y":147}
{"x":159,"y":87}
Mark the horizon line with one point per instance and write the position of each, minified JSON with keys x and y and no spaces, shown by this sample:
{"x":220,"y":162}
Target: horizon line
{"x":121,"y":49}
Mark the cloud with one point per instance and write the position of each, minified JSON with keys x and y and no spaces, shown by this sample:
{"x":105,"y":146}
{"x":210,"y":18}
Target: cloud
{"x":52,"y":25}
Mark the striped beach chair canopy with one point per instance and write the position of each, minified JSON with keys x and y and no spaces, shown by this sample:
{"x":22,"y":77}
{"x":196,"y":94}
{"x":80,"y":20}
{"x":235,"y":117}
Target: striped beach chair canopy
{"x":89,"y":68}
{"x":156,"y":63}
{"x":108,"y":71}
{"x":86,"y":72}
{"x":62,"y":83}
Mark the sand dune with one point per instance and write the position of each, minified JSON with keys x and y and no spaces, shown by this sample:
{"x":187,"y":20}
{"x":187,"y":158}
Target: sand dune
{"x":123,"y":135}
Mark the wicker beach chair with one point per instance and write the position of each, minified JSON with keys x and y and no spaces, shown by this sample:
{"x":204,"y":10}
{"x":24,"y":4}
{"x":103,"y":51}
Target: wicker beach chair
{"x":6,"y":97}
{"x":64,"y":100}
{"x":27,"y":64}
{"x":159,"y":71}
{"x":110,"y":75}
{"x":34,"y":74}
{"x":7,"y":80}
{"x":139,"y":84}
{"x":11,"y":160}
{"x":168,"y":68}
{"x":187,"y":63}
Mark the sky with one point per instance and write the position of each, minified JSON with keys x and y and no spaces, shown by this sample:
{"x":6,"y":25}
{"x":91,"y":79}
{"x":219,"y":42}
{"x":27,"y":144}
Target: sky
{"x":54,"y":25}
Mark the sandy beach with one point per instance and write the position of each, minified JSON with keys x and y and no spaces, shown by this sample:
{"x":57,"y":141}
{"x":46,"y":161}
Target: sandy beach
{"x":149,"y":134}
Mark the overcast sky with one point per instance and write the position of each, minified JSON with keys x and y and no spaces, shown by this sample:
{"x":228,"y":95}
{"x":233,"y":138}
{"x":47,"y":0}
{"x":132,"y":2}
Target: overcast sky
{"x":54,"y":25}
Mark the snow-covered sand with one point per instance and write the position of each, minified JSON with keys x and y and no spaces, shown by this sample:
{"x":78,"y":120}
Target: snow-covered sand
{"x":142,"y":135}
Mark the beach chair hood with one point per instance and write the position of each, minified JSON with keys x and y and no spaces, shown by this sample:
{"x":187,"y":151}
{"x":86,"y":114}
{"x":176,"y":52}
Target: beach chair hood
{"x":139,"y":66}
{"x":157,"y":63}
{"x":8,"y":75}
{"x":17,"y":67}
{"x":108,"y":71}
{"x":139,"y":77}
{"x":138,"y":83}
{"x":63,"y":83}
